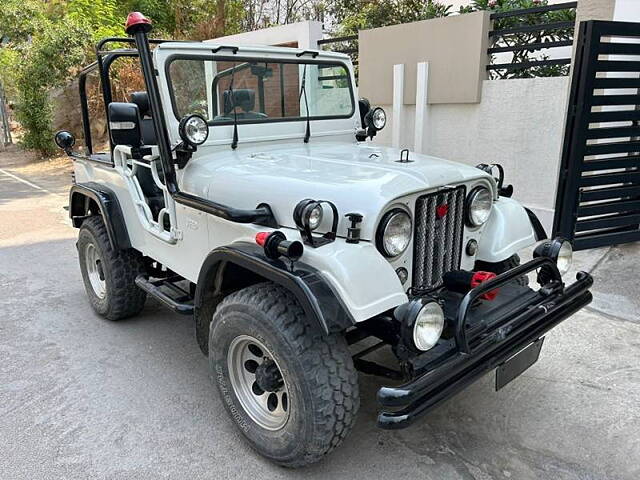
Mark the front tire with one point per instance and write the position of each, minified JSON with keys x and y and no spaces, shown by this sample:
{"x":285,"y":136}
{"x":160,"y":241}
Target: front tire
{"x":291,"y":390}
{"x":109,"y":275}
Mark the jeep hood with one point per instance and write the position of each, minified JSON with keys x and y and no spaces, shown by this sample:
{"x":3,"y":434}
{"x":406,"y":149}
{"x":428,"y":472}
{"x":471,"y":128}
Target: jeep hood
{"x":359,"y":178}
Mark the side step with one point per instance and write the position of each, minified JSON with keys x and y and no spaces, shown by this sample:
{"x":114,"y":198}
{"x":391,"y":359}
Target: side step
{"x":168,"y":293}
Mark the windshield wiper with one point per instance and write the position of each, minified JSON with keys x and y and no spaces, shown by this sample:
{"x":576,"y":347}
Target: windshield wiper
{"x":234,"y":143}
{"x":303,"y":91}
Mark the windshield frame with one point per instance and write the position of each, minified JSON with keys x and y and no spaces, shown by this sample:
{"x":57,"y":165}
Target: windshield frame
{"x":240,"y":59}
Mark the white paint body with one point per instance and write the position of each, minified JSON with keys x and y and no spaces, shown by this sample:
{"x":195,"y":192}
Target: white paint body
{"x":272,"y":165}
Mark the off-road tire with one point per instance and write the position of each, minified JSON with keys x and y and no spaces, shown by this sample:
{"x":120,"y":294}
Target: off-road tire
{"x":121,"y":267}
{"x":503,"y":266}
{"x":317,"y":368}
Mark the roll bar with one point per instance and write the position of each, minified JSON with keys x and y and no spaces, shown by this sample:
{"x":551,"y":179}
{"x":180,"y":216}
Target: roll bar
{"x":261,"y":215}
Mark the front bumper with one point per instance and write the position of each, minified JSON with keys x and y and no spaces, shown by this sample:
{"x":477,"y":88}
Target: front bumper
{"x":481,"y":340}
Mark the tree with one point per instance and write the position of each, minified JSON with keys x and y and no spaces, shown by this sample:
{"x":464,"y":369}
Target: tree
{"x":352,"y":15}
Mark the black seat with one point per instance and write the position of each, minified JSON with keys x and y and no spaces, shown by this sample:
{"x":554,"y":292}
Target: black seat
{"x":245,"y":99}
{"x":141,"y":99}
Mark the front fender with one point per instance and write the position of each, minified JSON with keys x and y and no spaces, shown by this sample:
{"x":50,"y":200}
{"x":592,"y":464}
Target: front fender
{"x":507,"y":231}
{"x":337,"y":285}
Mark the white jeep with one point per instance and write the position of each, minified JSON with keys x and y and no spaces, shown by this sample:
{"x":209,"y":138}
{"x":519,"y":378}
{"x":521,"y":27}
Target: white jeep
{"x":241,"y":189}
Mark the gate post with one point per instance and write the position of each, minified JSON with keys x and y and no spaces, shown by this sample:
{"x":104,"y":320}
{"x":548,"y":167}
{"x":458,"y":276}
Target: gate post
{"x":398,"y":104}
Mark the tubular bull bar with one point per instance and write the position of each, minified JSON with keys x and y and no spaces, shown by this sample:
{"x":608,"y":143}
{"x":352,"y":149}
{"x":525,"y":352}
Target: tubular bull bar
{"x":474,"y":357}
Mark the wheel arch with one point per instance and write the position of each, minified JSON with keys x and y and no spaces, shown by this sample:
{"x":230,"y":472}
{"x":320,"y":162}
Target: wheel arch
{"x":92,"y":198}
{"x":231,"y":268}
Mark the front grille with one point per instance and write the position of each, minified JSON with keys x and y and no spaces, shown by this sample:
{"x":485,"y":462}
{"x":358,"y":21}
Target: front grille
{"x":437,"y":241}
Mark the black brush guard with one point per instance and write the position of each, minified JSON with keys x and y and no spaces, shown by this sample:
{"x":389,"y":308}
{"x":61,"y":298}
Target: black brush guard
{"x":479,"y":348}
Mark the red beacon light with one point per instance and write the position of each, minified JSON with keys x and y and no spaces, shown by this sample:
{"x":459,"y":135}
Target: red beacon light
{"x":137,"y":22}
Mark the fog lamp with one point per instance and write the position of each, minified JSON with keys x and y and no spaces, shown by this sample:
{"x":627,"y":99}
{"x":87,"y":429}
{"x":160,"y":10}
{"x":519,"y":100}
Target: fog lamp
{"x":422,"y":322}
{"x":559,"y":250}
{"x":308,"y":215}
{"x":428,"y":326}
{"x":193,"y":130}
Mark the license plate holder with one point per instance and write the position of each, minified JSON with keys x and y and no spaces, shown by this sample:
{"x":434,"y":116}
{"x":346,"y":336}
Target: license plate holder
{"x":516,"y":365}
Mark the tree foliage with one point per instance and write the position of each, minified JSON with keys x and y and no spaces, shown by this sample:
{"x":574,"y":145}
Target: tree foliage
{"x":352,"y":15}
{"x":42,"y":54}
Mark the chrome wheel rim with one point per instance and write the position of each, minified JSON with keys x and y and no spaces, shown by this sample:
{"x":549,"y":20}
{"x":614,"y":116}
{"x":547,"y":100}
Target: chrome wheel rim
{"x":258,"y":383}
{"x":95,"y":271}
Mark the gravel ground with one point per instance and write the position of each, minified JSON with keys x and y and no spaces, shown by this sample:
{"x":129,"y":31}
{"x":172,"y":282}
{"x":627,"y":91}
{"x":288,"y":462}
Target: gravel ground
{"x":81,"y":397}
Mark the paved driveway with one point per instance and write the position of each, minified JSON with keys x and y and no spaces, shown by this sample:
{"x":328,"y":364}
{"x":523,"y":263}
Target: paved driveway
{"x":81,"y":397}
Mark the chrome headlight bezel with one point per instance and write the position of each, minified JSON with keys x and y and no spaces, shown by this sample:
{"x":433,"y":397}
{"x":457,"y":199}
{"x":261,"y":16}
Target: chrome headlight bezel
{"x":391,"y":220}
{"x":478,"y":194}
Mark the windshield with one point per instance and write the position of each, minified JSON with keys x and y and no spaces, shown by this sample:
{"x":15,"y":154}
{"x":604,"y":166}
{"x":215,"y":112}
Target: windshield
{"x":253,"y":91}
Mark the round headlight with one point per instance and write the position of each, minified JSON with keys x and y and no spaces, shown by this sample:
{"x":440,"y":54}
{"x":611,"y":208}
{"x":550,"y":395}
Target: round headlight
{"x":428,"y":326}
{"x":559,"y":250}
{"x":314,"y":217}
{"x":479,"y":203}
{"x":394,"y":233}
{"x":194,"y":130}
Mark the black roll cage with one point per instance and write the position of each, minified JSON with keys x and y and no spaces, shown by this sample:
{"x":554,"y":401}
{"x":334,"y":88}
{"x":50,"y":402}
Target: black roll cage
{"x":105,"y":59}
{"x":261,"y":215}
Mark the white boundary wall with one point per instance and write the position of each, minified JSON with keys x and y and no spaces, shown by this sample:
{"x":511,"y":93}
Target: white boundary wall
{"x":305,"y":34}
{"x":518,"y":123}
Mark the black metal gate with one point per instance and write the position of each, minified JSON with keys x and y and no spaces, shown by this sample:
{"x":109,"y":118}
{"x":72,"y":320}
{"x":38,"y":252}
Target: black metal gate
{"x":598,"y":199}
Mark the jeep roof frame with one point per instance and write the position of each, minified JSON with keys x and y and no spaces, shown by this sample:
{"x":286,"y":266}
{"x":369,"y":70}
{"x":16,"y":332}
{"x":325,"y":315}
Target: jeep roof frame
{"x":261,"y":215}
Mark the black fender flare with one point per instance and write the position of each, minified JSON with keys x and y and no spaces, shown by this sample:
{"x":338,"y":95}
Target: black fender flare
{"x":317,"y":298}
{"x":80,"y":197}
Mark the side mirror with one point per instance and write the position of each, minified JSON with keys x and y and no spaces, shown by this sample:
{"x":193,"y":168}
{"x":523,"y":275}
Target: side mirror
{"x":65,"y":140}
{"x":124,"y":124}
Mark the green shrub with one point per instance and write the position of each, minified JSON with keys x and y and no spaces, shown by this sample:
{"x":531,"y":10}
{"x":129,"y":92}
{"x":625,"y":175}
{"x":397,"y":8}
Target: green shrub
{"x":42,"y":54}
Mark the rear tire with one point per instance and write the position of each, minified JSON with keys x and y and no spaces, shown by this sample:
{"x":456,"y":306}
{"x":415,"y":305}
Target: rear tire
{"x":109,"y":275}
{"x":263,"y":349}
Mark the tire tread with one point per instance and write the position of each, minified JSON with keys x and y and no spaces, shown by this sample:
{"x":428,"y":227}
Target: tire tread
{"x":326,"y":359}
{"x":125,"y":298}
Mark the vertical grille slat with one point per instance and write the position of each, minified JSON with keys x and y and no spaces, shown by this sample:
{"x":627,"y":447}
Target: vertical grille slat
{"x":437,"y":242}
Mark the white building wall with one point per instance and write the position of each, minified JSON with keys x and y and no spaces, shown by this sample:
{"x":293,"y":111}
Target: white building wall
{"x":627,"y":11}
{"x":519,"y":124}
{"x":305,"y":34}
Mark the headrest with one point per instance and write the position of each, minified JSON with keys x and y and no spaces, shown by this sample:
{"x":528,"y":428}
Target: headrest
{"x":124,"y":124}
{"x":142,"y":100}
{"x":245,"y":98}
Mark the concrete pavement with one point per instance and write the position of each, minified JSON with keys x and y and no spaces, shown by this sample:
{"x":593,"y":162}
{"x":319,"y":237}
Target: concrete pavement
{"x":82,"y":397}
